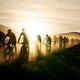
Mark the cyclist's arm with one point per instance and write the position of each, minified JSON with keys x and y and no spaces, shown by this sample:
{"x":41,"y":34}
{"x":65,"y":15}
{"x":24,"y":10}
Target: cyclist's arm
{"x":5,"y":36}
{"x":43,"y":40}
{"x":19,"y":37}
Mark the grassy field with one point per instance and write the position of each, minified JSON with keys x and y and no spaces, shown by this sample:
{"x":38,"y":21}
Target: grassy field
{"x":62,"y":65}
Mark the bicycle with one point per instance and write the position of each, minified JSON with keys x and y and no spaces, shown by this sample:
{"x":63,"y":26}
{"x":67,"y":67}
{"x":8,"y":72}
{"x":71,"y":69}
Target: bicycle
{"x":24,"y":53}
{"x":8,"y":52}
{"x":47,"y":48}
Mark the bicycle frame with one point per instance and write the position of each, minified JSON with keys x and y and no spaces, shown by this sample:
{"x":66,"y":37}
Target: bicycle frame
{"x":8,"y":51}
{"x":24,"y":53}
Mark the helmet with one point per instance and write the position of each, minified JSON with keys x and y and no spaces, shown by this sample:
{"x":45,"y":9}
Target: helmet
{"x":46,"y":34}
{"x":23,"y":29}
{"x":9,"y":30}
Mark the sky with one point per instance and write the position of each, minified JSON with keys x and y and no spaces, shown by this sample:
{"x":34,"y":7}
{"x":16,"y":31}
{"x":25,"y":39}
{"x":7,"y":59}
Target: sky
{"x":41,"y":16}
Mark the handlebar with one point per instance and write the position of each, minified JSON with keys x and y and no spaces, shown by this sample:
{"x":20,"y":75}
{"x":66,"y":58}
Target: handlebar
{"x":46,"y":44}
{"x":23,"y":44}
{"x":19,"y":43}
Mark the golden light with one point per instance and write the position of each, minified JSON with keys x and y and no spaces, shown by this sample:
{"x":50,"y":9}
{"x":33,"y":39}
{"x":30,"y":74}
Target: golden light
{"x":33,"y":28}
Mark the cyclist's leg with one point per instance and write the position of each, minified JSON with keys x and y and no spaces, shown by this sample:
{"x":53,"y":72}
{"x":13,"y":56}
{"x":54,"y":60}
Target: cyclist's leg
{"x":22,"y":55}
{"x":10,"y":48}
{"x":7,"y":52}
{"x":46,"y":49}
{"x":27,"y":54}
{"x":14,"y":42}
{"x":22,"y":51}
{"x":15,"y":49}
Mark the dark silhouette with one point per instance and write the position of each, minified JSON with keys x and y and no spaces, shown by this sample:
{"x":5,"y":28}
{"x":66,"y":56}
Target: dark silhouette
{"x":64,"y":42}
{"x":38,"y":45}
{"x":60,"y":40}
{"x":72,"y":41}
{"x":67,"y":42}
{"x":8,"y":52}
{"x":25,"y":47}
{"x":11,"y":42}
{"x":54,"y":43}
{"x":55,"y":40}
{"x":12,"y":38}
{"x":47,"y":41}
{"x":2,"y":41}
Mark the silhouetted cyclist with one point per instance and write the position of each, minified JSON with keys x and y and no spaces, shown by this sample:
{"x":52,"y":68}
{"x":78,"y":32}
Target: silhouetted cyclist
{"x":25,"y":47}
{"x":55,"y":40}
{"x":2,"y":41}
{"x":47,"y":41}
{"x":10,"y":44}
{"x":38,"y":45}
{"x":60,"y":40}
{"x":67,"y":41}
{"x":12,"y":39}
{"x":25,"y":38}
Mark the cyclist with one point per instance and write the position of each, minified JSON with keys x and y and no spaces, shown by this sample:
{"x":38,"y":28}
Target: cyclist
{"x":25,"y":38}
{"x":38,"y":44}
{"x":47,"y":41}
{"x":2,"y":35}
{"x":12,"y":39}
{"x":25,"y":44}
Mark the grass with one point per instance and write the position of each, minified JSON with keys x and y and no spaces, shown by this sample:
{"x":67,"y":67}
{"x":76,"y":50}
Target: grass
{"x":62,"y":65}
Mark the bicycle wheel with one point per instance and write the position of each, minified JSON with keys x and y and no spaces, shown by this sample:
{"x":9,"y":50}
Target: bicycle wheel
{"x":24,"y":54}
{"x":8,"y":53}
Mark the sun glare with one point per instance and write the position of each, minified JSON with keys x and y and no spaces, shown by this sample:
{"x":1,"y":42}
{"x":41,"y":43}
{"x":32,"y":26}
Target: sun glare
{"x":33,"y":28}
